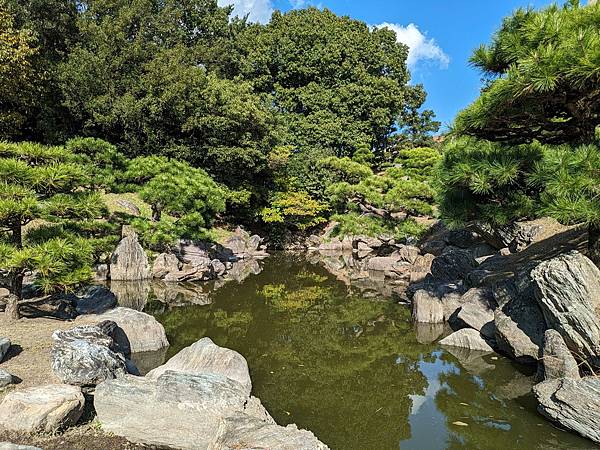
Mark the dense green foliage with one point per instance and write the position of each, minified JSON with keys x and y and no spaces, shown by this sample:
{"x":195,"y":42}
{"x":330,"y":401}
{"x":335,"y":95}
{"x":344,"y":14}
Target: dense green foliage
{"x":47,"y":185}
{"x":543,"y":82}
{"x":544,"y":70}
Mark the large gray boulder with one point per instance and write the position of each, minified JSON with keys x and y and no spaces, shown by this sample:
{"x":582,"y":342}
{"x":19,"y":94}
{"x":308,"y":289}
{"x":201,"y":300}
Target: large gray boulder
{"x":164,"y":264}
{"x":82,"y":356}
{"x":129,"y":261}
{"x":453,"y":264}
{"x":95,"y":300}
{"x":427,"y":308}
{"x":4,"y":346}
{"x":204,"y":356}
{"x":477,"y":311}
{"x":567,"y":289}
{"x":136,"y":331}
{"x":571,"y":403}
{"x":42,"y":408}
{"x":6,"y":379}
{"x":245,"y":432}
{"x":556,"y":361}
{"x":467,"y":338}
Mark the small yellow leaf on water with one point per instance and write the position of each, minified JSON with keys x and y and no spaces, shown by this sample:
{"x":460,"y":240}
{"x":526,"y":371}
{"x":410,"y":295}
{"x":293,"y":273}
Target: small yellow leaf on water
{"x":460,"y":424}
{"x":494,"y":358}
{"x":465,"y":404}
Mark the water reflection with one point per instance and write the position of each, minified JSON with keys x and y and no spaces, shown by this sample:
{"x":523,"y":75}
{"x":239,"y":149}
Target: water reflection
{"x":356,"y":371}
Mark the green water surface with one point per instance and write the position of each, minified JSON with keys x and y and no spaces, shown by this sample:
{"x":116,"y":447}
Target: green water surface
{"x":357,"y":372}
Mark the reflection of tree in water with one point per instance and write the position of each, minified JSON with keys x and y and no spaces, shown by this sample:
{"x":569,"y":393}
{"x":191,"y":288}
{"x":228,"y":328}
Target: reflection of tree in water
{"x":318,"y":358}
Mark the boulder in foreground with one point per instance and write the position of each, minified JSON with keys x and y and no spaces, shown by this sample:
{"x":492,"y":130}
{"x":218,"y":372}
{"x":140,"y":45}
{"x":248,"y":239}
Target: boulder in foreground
{"x":467,"y":338}
{"x":43,"y":408}
{"x":573,"y":404}
{"x":556,"y":361}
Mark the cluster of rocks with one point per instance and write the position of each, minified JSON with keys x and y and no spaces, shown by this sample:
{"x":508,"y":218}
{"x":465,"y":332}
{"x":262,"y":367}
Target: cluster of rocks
{"x":186,"y":262}
{"x":6,"y":379}
{"x":200,"y":398}
{"x":543,"y":311}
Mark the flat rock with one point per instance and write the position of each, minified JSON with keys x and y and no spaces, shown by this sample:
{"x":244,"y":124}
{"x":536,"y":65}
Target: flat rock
{"x":556,"y":361}
{"x":164,"y":264}
{"x":136,"y":331}
{"x":129,"y":261}
{"x":573,"y":404}
{"x":95,"y":300}
{"x":11,"y":446}
{"x":467,"y":338}
{"x":245,"y":432}
{"x":567,"y":289}
{"x":6,"y":379}
{"x":82,"y":356}
{"x":427,"y":308}
{"x":204,"y":356}
{"x":4,"y":346}
{"x":174,"y":410}
{"x":43,"y":408}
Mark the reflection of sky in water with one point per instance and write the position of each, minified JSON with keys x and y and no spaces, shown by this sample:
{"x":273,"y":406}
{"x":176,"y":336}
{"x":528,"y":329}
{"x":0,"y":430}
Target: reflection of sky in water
{"x":427,"y":423}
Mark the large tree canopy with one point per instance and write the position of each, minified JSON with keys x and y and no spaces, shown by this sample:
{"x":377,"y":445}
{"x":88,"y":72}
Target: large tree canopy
{"x":543,"y":70}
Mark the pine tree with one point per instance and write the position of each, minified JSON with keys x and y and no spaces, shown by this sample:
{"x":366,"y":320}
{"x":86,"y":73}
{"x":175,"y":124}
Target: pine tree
{"x":49,"y":186}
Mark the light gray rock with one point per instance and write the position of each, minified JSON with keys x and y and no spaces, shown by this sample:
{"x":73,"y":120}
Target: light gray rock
{"x":408,"y":253}
{"x":556,"y":361}
{"x":164,"y":264}
{"x":10,"y":446}
{"x":477,"y":311}
{"x":567,"y":289}
{"x":129,"y":206}
{"x":42,"y":408}
{"x":383,"y":263}
{"x":204,"y":356}
{"x":427,"y":308}
{"x":136,"y":331}
{"x":95,"y":300}
{"x":101,"y":272}
{"x":218,"y":267}
{"x":6,"y":379}
{"x":4,"y":346}
{"x":82,"y":356}
{"x":175,"y":410}
{"x":453,"y":264}
{"x":245,"y":432}
{"x":573,"y":404}
{"x":515,"y":235}
{"x":129,"y":261}
{"x":467,"y":338}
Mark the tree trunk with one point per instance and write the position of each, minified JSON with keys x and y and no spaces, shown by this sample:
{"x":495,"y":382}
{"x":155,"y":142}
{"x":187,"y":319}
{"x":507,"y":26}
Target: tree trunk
{"x":594,"y":243}
{"x":12,"y":303}
{"x":17,"y":236}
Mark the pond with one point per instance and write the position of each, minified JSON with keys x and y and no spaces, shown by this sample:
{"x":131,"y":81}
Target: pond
{"x":356,"y":371}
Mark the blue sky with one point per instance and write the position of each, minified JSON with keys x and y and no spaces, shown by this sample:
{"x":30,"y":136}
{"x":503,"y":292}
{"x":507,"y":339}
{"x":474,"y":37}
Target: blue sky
{"x":441,"y":33}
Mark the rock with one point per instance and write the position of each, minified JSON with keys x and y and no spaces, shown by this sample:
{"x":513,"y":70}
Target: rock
{"x":101,"y":272}
{"x":462,"y":238}
{"x":240,"y":270}
{"x":556,"y":361}
{"x":477,"y":311}
{"x":435,"y":247}
{"x":453,"y":264}
{"x":4,"y":346}
{"x":383,"y":263}
{"x":567,"y":289}
{"x":409,"y":254}
{"x":95,"y":300}
{"x":82,"y":356}
{"x":10,"y":446}
{"x":472,"y":360}
{"x":174,"y":410}
{"x":244,"y":432}
{"x":218,"y":267}
{"x":313,"y":241}
{"x":427,"y":308}
{"x":164,"y":264}
{"x":4,"y":292}
{"x":204,"y":356}
{"x":467,"y":338}
{"x":423,"y":263}
{"x":42,"y":408}
{"x":367,"y":241}
{"x":520,"y":329}
{"x":573,"y":404}
{"x":136,"y":331}
{"x":515,"y":235}
{"x":6,"y":379}
{"x":129,"y":261}
{"x":242,"y":245}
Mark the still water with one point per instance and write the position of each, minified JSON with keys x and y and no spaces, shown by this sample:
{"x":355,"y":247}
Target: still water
{"x":356,"y":371}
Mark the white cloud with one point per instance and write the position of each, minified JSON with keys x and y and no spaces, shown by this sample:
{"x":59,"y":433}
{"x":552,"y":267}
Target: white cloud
{"x":420,"y":47}
{"x":257,"y":10}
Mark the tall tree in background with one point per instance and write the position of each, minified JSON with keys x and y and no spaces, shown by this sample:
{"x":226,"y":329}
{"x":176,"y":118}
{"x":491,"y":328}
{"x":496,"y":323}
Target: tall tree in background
{"x":543,"y":70}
